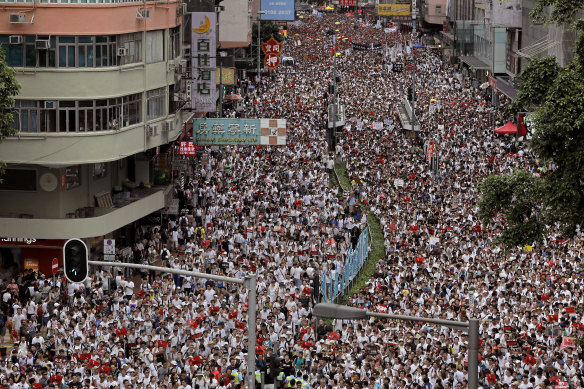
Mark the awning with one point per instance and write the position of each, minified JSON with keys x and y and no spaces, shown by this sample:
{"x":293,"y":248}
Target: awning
{"x":508,"y":128}
{"x":506,"y":88}
{"x":474,"y":62}
{"x":447,"y":38}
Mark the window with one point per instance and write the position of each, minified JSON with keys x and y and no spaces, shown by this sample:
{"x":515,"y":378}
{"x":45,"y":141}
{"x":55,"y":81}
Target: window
{"x":133,"y":45}
{"x":132,"y":110}
{"x":174,"y":43}
{"x":47,"y":58}
{"x":172,"y":106}
{"x":26,"y":116}
{"x":155,"y":105}
{"x":154,"y":46}
{"x":19,"y":180}
{"x":105,"y":51}
{"x":79,"y":116}
{"x":438,"y":10}
{"x":66,"y":51}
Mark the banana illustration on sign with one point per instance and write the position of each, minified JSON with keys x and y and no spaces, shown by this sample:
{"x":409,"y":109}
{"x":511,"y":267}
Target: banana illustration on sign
{"x":204,"y":26}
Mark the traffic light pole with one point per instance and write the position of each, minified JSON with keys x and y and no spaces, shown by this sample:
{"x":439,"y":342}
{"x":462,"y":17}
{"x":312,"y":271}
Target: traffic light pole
{"x":249,"y":282}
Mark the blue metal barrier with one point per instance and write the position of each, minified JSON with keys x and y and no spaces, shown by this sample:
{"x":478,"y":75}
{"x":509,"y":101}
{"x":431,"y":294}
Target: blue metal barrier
{"x":331,"y":286}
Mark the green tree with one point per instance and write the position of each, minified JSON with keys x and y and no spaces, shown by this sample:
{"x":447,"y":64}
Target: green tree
{"x":9,"y":88}
{"x":268,"y":28}
{"x":555,"y":95}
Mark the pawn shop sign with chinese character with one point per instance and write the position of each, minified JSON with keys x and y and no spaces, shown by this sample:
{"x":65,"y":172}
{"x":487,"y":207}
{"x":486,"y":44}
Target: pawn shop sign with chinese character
{"x":272,"y":49}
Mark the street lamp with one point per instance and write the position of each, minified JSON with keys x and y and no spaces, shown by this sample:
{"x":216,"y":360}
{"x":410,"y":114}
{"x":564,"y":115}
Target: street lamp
{"x":343,"y":312}
{"x":260,"y":13}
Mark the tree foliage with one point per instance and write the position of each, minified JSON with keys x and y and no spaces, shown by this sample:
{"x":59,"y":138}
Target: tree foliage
{"x":538,"y":76}
{"x":9,"y":88}
{"x":556,"y":95}
{"x":512,"y":202}
{"x":268,"y":28}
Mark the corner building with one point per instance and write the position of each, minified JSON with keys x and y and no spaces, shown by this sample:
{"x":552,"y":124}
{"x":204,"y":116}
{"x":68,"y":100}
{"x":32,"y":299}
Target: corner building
{"x":102,"y":94}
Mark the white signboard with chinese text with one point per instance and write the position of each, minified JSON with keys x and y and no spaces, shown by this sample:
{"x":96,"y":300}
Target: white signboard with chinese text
{"x":204,"y":47}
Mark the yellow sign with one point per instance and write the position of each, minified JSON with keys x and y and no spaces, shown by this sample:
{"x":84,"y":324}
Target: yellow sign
{"x":393,"y":9}
{"x":203,"y":26}
{"x":228,"y":76}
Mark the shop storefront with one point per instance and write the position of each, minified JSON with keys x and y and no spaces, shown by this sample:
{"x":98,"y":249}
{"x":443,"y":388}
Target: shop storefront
{"x":19,"y":254}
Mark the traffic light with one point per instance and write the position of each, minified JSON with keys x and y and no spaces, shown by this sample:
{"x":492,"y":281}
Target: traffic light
{"x":75,"y":260}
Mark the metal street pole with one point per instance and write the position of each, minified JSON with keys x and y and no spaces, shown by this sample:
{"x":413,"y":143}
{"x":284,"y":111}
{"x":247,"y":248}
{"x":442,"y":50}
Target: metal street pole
{"x":221,"y":87}
{"x":335,"y":311}
{"x":249,"y":282}
{"x":260,"y":13}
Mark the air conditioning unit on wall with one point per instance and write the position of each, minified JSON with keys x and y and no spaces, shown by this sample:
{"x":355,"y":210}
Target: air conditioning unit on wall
{"x":181,"y":10}
{"x":17,"y":18}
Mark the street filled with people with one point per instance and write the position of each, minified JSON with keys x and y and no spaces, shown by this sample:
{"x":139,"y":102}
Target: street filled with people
{"x":277,"y":212}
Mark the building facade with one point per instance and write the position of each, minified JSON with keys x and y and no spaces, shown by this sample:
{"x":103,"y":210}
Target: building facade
{"x":99,"y":81}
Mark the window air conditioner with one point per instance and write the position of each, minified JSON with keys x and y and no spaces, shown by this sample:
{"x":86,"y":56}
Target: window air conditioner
{"x":181,"y":10}
{"x":43,"y":44}
{"x":15,"y":39}
{"x":143,"y":14}
{"x":122,"y":51}
{"x":17,"y":18}
{"x":50,"y":104}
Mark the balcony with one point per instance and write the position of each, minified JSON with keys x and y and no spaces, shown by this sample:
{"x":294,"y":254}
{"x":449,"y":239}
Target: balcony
{"x":89,"y":221}
{"x":64,"y":149}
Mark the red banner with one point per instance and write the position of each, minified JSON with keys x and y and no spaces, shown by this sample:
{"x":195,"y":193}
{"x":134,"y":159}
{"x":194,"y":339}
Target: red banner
{"x":348,"y":3}
{"x":186,"y":148}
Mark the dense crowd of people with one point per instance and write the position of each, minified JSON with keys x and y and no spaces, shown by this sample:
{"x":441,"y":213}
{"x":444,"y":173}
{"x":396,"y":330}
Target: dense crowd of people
{"x":273,"y":212}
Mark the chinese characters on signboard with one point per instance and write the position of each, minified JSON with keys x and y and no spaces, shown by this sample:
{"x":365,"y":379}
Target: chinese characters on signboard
{"x":186,"y":148}
{"x":231,"y":131}
{"x":204,"y":47}
{"x":348,"y":3}
{"x":272,"y":49}
{"x":277,"y":9}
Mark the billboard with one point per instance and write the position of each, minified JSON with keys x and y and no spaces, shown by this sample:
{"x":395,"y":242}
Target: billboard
{"x":393,"y":9}
{"x":204,"y":46}
{"x":233,"y":131}
{"x":277,"y":10}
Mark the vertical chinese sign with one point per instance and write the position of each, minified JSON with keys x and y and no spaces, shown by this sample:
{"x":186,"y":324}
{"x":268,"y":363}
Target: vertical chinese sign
{"x":204,"y":47}
{"x":272,"y":49}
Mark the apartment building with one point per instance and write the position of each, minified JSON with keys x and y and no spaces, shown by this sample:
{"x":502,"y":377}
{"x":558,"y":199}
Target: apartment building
{"x":100,"y":80}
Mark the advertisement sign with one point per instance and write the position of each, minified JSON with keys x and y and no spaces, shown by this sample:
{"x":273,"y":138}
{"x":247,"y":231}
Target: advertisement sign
{"x":272,"y":61}
{"x":233,"y":131}
{"x":272,"y":49}
{"x":272,"y":46}
{"x":277,"y":9}
{"x":186,"y":148}
{"x":493,"y":82}
{"x":204,"y":47}
{"x":225,"y":76}
{"x":393,"y":9}
{"x":348,"y":3}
